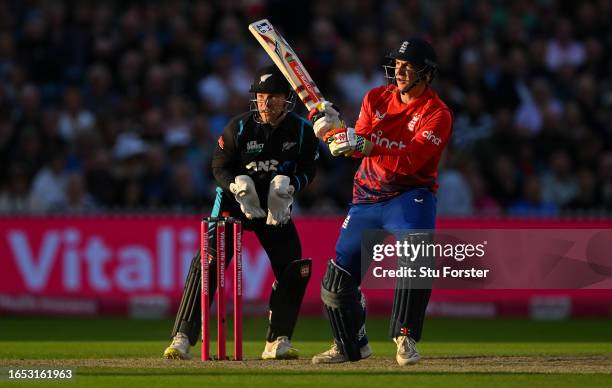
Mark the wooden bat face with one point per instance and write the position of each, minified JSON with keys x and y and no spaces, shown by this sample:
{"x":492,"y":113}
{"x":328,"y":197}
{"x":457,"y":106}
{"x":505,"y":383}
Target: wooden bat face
{"x":288,"y":62}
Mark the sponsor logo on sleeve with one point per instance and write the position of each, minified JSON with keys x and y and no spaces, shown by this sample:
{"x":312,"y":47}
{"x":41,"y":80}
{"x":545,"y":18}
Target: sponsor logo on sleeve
{"x":221,"y":142}
{"x":429,"y":135}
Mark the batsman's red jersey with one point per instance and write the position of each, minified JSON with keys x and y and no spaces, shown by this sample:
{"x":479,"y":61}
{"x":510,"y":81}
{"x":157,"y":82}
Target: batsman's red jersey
{"x":408,"y":143}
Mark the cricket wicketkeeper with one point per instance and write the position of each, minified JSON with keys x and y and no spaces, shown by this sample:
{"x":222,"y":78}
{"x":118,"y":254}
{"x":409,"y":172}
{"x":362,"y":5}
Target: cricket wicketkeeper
{"x":261,"y":160}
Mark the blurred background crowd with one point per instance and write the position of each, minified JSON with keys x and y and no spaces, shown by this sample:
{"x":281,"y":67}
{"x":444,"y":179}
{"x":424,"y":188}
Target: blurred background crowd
{"x":116,"y":105}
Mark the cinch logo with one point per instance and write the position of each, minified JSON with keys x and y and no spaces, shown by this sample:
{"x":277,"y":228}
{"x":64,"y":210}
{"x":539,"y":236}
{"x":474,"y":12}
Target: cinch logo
{"x":254,"y":147}
{"x":432,"y":138}
{"x":413,"y":122}
{"x":262,"y":165}
{"x":377,"y":138}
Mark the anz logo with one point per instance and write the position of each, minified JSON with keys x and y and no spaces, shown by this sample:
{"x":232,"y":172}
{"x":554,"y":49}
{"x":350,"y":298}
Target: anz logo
{"x":263,"y":165}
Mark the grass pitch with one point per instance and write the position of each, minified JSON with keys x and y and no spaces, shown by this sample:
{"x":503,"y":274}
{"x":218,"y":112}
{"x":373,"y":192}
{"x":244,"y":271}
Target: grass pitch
{"x":458,"y":353}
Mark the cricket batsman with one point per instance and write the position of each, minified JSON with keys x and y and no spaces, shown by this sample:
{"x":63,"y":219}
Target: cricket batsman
{"x":261,"y":160}
{"x":400,"y":134}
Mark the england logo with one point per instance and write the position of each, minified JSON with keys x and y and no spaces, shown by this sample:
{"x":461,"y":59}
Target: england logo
{"x":413,"y":122}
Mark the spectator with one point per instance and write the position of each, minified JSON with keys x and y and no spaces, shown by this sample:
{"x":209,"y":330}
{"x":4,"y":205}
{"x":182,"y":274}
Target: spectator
{"x":454,"y":194}
{"x":484,"y":205}
{"x":48,"y":186}
{"x":15,"y":197}
{"x":183,"y":194}
{"x":535,"y":105}
{"x":563,"y":49}
{"x":605,"y":179}
{"x":131,"y":92}
{"x":76,"y":198}
{"x":558,"y":184}
{"x":586,"y":198}
{"x":473,"y":124}
{"x":74,"y":119}
{"x":531,"y":204}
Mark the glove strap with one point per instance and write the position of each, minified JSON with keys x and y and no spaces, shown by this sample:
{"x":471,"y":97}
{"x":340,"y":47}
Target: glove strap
{"x":364,"y":146}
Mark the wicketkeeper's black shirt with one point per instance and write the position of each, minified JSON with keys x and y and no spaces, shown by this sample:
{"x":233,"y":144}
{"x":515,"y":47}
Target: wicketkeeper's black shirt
{"x":262,"y":152}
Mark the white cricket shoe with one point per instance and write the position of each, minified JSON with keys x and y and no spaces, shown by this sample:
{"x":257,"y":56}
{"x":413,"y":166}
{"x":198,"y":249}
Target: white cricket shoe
{"x":407,"y":353}
{"x":335,"y":355}
{"x":280,"y":349}
{"x":179,"y":349}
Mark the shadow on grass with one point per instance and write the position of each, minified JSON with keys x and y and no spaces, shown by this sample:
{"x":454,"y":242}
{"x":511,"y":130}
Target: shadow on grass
{"x":308,"y":330}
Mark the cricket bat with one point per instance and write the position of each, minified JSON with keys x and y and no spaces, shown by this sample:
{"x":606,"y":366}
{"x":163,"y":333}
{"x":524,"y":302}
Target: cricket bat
{"x":288,"y":63}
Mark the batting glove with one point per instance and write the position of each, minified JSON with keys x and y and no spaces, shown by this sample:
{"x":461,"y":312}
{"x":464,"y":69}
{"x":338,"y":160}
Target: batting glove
{"x":344,"y":141}
{"x":324,"y":118}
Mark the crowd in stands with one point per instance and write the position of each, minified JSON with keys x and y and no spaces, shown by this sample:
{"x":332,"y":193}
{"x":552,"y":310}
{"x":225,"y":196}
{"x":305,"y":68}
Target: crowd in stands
{"x":117,"y":105}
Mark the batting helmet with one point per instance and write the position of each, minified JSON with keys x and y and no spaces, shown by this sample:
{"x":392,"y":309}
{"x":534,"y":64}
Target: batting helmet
{"x":420,"y":54}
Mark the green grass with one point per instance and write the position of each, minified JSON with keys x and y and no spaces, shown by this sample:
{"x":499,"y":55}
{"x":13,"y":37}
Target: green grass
{"x":49,"y":339}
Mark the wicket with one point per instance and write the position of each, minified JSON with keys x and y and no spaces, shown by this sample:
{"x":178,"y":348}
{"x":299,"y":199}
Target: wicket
{"x":220,"y":230}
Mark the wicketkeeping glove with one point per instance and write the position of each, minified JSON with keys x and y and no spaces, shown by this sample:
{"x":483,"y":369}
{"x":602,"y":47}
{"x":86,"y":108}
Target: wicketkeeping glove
{"x":243,"y":189}
{"x":280,"y":198}
{"x":324,"y":118}
{"x":344,"y":141}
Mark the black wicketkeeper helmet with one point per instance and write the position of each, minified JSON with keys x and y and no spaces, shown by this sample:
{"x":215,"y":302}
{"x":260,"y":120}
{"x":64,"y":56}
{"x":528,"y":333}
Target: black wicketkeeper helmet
{"x":270,"y":80}
{"x":420,"y":54}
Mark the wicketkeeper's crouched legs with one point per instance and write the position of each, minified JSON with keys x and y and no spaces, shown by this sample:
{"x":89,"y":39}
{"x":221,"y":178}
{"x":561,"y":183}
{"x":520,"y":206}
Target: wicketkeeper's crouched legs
{"x":286,"y":299}
{"x":282,"y":244}
{"x":189,"y":316}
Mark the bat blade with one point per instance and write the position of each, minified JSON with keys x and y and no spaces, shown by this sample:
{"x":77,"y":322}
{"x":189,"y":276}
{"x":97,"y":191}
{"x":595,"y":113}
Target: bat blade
{"x":288,"y":62}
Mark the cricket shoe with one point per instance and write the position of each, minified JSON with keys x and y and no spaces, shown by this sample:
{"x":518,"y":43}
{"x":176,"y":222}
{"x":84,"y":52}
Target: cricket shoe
{"x":280,"y":349}
{"x":407,"y":353}
{"x":179,"y":349}
{"x":335,"y":355}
